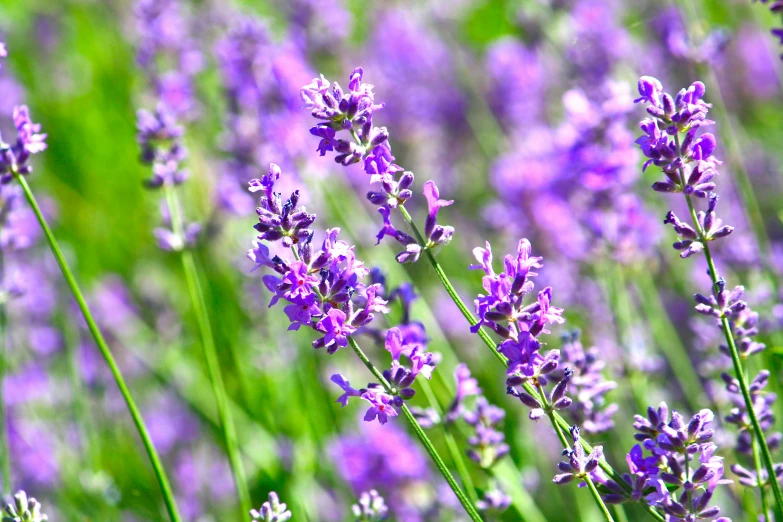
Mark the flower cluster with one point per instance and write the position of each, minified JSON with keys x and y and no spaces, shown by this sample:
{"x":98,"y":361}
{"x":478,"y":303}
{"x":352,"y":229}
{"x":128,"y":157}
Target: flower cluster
{"x":325,"y":291}
{"x":271,"y":511}
{"x":24,"y":509}
{"x":578,"y":466}
{"x":371,"y":507}
{"x":690,"y":168}
{"x":587,"y":385}
{"x":352,"y":112}
{"x":384,"y":399}
{"x":324,"y":287}
{"x":160,"y":140}
{"x":680,"y":472}
{"x":278,"y":220}
{"x":168,"y":54}
{"x":29,"y":140}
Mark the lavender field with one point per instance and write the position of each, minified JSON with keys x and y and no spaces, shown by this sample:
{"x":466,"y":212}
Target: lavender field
{"x":340,"y":260}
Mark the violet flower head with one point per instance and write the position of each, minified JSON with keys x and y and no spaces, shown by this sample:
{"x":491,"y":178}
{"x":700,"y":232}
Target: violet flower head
{"x":466,"y":387}
{"x":24,"y":509}
{"x":487,"y":444}
{"x":587,"y":386}
{"x":371,"y":507}
{"x":352,"y":112}
{"x":271,"y":511}
{"x":160,"y":138}
{"x":494,"y":501}
{"x":280,"y":220}
{"x":578,"y":465}
{"x":29,"y":141}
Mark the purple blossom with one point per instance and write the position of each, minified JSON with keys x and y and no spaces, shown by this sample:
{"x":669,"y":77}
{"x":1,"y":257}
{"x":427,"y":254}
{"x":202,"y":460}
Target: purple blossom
{"x":371,"y":507}
{"x":487,"y":441}
{"x":352,"y":111}
{"x":335,"y":330}
{"x":578,"y":465}
{"x":14,"y":158}
{"x":272,"y":510}
{"x":466,"y":386}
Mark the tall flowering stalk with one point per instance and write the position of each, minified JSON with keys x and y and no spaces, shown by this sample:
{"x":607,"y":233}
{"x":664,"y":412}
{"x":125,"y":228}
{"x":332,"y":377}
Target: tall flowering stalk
{"x":672,"y":141}
{"x":160,"y":139}
{"x":351,"y":112}
{"x":14,"y":166}
{"x":326,"y":292}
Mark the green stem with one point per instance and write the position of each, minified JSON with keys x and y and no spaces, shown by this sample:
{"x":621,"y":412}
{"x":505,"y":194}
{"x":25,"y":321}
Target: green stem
{"x":210,"y":356}
{"x":757,"y":464}
{"x":160,"y":474}
{"x":451,"y":443}
{"x":739,"y":372}
{"x":484,"y":336}
{"x":463,"y":499}
{"x":599,"y":500}
{"x":6,"y":450}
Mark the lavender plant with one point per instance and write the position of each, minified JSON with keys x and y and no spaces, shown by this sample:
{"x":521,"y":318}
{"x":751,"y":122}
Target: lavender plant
{"x":326,"y":291}
{"x":371,"y":507}
{"x":14,"y":166}
{"x":672,"y":141}
{"x":271,"y":511}
{"x":24,"y":509}
{"x":353,"y":111}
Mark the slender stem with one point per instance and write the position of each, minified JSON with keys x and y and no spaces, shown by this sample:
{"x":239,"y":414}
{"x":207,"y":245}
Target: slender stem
{"x":739,"y":372}
{"x":550,"y":413}
{"x":6,"y":450}
{"x":484,"y":336}
{"x":451,"y":443}
{"x":210,"y":356}
{"x":758,"y":466}
{"x":463,"y":499}
{"x":599,"y":500}
{"x":160,"y":474}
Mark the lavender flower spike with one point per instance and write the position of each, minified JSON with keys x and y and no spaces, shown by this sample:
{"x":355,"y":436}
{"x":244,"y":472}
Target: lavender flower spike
{"x":371,"y":507}
{"x":24,"y":509}
{"x":29,"y":140}
{"x":352,"y":112}
{"x":271,"y":511}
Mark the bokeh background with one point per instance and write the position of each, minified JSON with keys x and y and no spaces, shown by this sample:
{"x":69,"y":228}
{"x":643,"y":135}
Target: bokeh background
{"x":521,"y":111}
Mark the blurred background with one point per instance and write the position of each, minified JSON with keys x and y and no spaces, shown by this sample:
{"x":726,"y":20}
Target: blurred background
{"x":521,"y":112}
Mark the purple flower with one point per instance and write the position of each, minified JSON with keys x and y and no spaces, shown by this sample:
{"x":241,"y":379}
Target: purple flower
{"x":466,"y":387}
{"x":14,"y":158}
{"x":343,"y":383}
{"x":487,"y":441}
{"x":381,"y":406}
{"x":352,"y":112}
{"x":272,"y":510}
{"x":371,"y":507}
{"x":335,"y":329}
{"x":578,"y":465}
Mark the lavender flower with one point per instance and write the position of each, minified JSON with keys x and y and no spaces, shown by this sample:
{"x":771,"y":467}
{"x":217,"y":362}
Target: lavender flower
{"x":466,"y":386}
{"x":160,"y":138}
{"x":326,"y":292}
{"x":271,"y":511}
{"x":690,"y":168}
{"x":587,"y":386}
{"x":494,"y":501}
{"x":487,"y":443}
{"x":371,"y":507}
{"x":352,"y":112}
{"x":24,"y":509}
{"x":29,"y":140}
{"x":681,"y":472}
{"x":578,"y":466}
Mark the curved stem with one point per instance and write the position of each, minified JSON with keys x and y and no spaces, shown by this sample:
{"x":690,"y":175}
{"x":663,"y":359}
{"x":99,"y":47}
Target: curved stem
{"x":739,"y":372}
{"x":463,"y":499}
{"x":210,"y":356}
{"x":484,"y":336}
{"x":160,"y":474}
